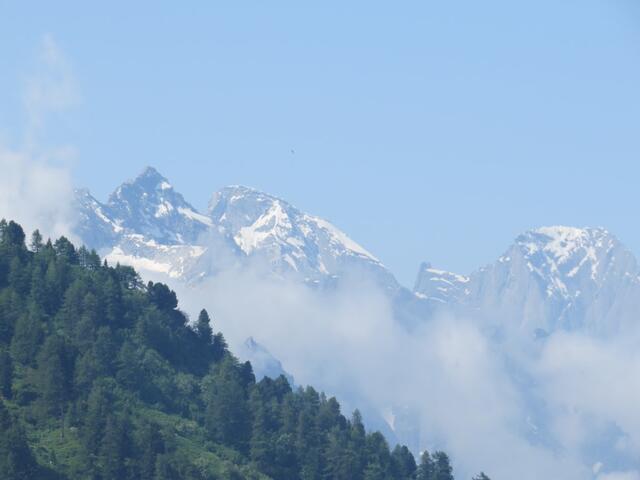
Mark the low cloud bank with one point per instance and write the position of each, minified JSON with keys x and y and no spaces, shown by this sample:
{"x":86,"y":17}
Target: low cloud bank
{"x":549,"y":413}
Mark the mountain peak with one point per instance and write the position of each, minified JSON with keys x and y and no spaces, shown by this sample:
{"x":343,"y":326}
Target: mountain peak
{"x":149,"y":205}
{"x":151,"y":178}
{"x":265,"y":225}
{"x":561,"y":244}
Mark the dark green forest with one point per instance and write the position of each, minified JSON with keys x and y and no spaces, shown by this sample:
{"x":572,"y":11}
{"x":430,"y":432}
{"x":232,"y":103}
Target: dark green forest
{"x":103,"y":377}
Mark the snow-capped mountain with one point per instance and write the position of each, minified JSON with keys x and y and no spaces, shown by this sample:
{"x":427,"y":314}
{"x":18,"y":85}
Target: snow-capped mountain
{"x":148,"y":224}
{"x":551,"y":278}
{"x":290,"y":241}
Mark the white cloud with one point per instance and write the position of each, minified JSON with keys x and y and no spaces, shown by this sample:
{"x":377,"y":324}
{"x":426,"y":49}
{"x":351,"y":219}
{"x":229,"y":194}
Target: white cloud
{"x":35,"y":186}
{"x":51,"y":87}
{"x":346,"y":342}
{"x":35,"y":193}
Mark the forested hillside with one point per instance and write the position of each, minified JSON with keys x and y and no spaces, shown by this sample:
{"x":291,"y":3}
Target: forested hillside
{"x":103,"y":377}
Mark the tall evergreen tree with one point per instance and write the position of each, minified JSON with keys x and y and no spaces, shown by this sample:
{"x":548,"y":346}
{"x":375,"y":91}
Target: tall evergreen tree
{"x":426,"y":469}
{"x":404,"y":465}
{"x":113,"y":450}
{"x":27,"y":337}
{"x":16,"y":460}
{"x":203,"y":327}
{"x":227,"y":414}
{"x":442,"y":466}
{"x":53,"y":377}
{"x":36,"y":241}
{"x":6,"y":373}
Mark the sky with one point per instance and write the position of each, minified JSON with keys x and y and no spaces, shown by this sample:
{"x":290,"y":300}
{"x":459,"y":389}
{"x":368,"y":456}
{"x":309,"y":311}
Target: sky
{"x":425,"y":130}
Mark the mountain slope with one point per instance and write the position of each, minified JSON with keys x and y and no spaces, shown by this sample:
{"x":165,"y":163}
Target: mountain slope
{"x":146,"y":223}
{"x":551,"y":278}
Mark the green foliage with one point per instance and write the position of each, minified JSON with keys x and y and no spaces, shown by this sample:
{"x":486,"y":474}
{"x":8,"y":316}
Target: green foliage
{"x":109,"y":381}
{"x":16,"y":460}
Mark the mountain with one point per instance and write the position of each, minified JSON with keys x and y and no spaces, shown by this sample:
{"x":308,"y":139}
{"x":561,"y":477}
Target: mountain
{"x":290,"y":241}
{"x":550,"y":278}
{"x":147,"y":224}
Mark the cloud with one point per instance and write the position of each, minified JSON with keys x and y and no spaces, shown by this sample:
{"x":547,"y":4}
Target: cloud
{"x":35,"y":193}
{"x":453,"y":381}
{"x":51,"y":88}
{"x":35,"y":186}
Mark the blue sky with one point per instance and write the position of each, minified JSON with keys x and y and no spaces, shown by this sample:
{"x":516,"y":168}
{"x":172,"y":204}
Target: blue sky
{"x":425,"y":130}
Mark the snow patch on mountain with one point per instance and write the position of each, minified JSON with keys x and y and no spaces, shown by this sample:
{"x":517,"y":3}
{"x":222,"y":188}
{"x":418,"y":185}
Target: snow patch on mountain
{"x":440,"y":285}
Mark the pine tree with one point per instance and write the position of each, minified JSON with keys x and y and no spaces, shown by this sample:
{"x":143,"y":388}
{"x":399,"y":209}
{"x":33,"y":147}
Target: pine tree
{"x":99,"y":404}
{"x":220,"y":347}
{"x":36,"y":241}
{"x":26,"y":338}
{"x":426,"y":469}
{"x":227,"y":414}
{"x":442,"y":466}
{"x":404,"y":465}
{"x":6,"y":373}
{"x":53,"y":377}
{"x":203,"y":327}
{"x":16,"y":460}
{"x":151,"y":445}
{"x":113,"y":449}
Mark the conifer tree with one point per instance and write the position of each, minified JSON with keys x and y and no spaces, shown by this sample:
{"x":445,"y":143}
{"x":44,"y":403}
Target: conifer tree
{"x":16,"y":460}
{"x":203,"y":327}
{"x":442,"y":466}
{"x":26,"y":338}
{"x":404,"y":465}
{"x":227,"y":415}
{"x":113,"y":449}
{"x":36,"y":241}
{"x":6,"y":373}
{"x":52,"y":377}
{"x":426,"y":469}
